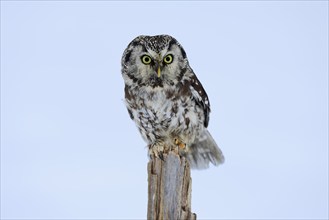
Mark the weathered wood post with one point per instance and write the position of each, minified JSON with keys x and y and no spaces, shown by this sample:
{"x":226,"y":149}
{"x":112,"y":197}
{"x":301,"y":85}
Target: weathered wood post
{"x":169,"y":188}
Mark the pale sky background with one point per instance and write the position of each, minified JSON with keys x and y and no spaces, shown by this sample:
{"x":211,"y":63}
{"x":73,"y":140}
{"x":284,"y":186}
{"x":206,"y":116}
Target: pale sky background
{"x":70,"y":151}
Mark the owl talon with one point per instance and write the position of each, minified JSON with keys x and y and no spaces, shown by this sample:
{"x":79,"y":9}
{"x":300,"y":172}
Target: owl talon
{"x":161,"y":156}
{"x":156,"y":151}
{"x":180,"y":144}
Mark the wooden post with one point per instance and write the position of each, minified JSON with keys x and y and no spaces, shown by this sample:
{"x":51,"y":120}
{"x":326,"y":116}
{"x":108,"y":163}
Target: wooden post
{"x":169,"y":188}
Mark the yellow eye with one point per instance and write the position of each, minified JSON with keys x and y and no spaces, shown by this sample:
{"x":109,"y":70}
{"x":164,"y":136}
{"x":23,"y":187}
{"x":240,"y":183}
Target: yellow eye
{"x":168,"y":59}
{"x":146,"y":59}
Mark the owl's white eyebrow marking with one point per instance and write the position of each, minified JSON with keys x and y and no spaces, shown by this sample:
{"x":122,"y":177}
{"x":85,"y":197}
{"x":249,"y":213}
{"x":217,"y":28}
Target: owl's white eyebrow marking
{"x":153,"y":54}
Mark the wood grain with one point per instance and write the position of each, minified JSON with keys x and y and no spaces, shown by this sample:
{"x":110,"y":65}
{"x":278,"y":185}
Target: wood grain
{"x":169,"y":188}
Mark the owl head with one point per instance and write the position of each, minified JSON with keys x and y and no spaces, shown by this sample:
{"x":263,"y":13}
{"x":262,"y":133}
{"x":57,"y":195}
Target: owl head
{"x":154,"y":61}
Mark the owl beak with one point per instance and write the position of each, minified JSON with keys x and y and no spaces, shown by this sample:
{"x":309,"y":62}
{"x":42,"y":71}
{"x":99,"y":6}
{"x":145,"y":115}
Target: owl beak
{"x":159,"y":71}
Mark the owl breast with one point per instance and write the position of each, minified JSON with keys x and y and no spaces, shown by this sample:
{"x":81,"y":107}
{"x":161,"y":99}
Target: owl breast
{"x":162,"y":114}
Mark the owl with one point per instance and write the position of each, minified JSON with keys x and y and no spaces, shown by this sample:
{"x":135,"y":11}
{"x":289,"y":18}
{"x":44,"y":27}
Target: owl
{"x":167,"y":101}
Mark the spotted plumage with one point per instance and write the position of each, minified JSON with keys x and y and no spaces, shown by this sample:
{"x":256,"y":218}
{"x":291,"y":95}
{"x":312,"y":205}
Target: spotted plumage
{"x":167,"y":101}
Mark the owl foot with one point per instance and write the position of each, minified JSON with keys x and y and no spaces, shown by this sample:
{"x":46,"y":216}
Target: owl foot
{"x":181,"y":145}
{"x":156,"y":151}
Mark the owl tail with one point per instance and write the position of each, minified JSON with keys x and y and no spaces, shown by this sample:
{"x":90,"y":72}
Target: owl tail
{"x":203,"y":151}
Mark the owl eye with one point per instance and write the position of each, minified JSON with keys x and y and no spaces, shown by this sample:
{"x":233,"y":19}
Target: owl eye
{"x":146,"y":59}
{"x":168,"y":59}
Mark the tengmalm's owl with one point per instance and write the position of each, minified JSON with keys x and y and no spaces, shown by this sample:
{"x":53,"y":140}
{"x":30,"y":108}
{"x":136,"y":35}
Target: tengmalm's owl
{"x":167,"y":101}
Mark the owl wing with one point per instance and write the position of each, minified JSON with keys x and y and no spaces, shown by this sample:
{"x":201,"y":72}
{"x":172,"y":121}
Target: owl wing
{"x":128,"y":98}
{"x":204,"y":150}
{"x":201,"y":98}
